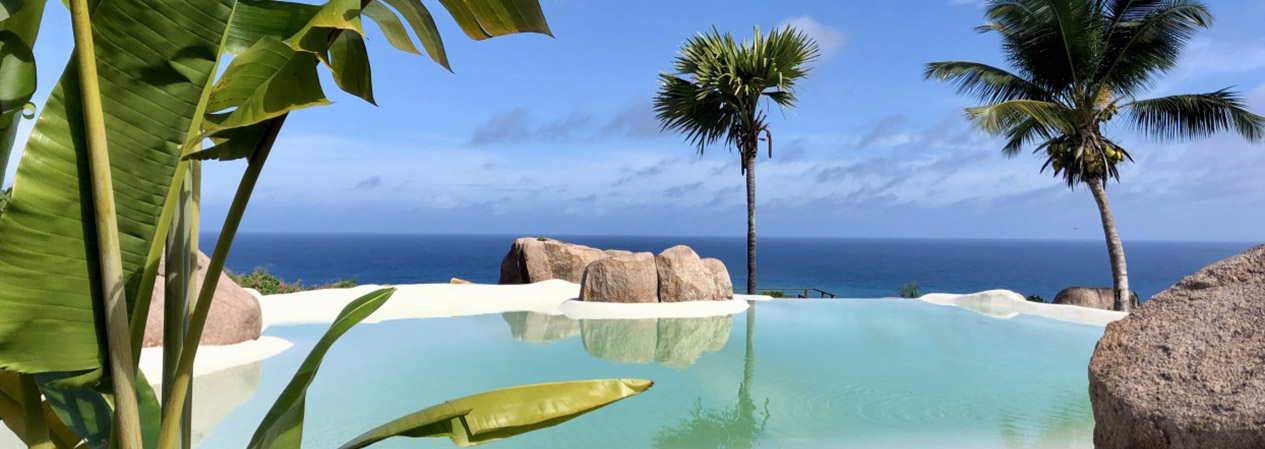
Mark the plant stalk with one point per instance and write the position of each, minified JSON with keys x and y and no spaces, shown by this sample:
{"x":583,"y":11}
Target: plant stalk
{"x":184,"y":369}
{"x":118,"y":343}
{"x":179,"y":278}
{"x":33,"y":412}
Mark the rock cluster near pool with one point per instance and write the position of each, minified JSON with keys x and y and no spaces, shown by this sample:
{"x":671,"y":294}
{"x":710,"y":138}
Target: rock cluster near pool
{"x":677,"y":274}
{"x":1187,"y":369}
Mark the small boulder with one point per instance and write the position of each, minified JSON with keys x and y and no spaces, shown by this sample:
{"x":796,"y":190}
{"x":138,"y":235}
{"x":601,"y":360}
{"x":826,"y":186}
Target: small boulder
{"x":683,"y":277}
{"x":1094,"y":298}
{"x":720,"y":275}
{"x":235,"y":316}
{"x":624,"y":278}
{"x":1187,"y":370}
{"x":532,"y":260}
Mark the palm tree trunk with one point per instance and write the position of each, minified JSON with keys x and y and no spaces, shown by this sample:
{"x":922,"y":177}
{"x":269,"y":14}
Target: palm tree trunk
{"x":1115,"y":249}
{"x":749,"y":163}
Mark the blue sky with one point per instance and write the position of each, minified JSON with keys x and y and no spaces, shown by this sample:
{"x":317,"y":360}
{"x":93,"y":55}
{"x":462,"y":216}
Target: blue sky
{"x":536,"y":135}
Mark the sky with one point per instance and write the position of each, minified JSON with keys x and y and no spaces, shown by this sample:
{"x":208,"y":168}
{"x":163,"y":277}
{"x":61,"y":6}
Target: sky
{"x":534,"y":135}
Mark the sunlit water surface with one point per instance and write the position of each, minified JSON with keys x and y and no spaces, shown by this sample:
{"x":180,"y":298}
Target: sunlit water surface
{"x":808,"y":374}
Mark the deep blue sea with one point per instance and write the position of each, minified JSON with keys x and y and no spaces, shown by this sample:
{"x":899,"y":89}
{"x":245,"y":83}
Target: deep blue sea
{"x":856,"y":268}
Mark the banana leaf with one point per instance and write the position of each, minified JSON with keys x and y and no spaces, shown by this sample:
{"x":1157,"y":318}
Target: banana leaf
{"x":88,"y":411}
{"x":18,"y":29}
{"x":157,"y":56}
{"x":13,"y":411}
{"x":499,"y":414}
{"x":282,"y":427}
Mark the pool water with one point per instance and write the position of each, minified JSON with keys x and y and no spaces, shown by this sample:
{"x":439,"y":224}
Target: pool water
{"x":808,"y":374}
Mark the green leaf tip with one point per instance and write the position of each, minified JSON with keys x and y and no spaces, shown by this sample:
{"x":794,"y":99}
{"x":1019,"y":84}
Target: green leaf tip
{"x":499,"y":414}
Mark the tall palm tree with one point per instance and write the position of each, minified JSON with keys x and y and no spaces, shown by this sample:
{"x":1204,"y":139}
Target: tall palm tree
{"x":715,"y":91}
{"x":1077,"y":64}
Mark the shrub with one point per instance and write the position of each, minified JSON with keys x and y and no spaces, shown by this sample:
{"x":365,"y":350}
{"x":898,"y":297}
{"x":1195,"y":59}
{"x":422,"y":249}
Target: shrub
{"x":910,"y":290}
{"x":1036,"y":298}
{"x":269,"y":284}
{"x":345,"y":283}
{"x":542,"y":238}
{"x":775,"y":293}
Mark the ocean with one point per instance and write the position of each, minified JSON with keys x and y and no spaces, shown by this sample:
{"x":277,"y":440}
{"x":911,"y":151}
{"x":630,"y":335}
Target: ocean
{"x":848,"y":268}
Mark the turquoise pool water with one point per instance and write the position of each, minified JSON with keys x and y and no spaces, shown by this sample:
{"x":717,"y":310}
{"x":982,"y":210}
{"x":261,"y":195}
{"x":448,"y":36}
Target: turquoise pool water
{"x":808,"y":374}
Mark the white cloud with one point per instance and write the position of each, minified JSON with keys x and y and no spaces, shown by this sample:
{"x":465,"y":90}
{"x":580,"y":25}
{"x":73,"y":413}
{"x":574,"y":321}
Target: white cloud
{"x":829,"y":39}
{"x":1207,"y":56}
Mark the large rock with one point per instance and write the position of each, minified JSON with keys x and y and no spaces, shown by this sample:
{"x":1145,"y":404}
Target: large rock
{"x":1187,"y":370}
{"x":234,"y":317}
{"x":1096,"y":298}
{"x":621,"y":278}
{"x":720,"y":275}
{"x":532,"y":260}
{"x":683,"y":277}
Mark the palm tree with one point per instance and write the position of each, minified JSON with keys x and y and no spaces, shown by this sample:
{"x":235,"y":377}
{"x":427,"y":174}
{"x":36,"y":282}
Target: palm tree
{"x":1077,"y":64}
{"x":715,"y":91}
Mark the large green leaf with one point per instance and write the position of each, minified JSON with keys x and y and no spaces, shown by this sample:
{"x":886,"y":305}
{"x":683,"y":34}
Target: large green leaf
{"x":314,"y":37}
{"x":256,"y":19}
{"x":17,"y":68}
{"x":349,"y":62}
{"x":89,"y":410}
{"x":151,"y":77}
{"x":265,"y":81}
{"x":282,"y":427}
{"x":391,"y":26}
{"x":500,"y":414}
{"x":17,"y":393}
{"x":17,"y":72}
{"x":481,"y":19}
{"x":423,"y":24}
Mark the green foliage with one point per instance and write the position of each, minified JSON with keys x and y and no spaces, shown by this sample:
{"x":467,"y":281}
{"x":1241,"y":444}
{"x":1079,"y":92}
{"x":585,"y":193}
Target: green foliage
{"x":910,"y":290}
{"x":775,"y":293}
{"x":156,"y":62}
{"x":542,"y":239}
{"x":270,"y":284}
{"x":1035,"y":298}
{"x":1076,"y":65}
{"x":717,"y":83}
{"x":500,"y":414}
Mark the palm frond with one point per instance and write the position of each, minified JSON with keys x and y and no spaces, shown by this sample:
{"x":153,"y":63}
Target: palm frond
{"x":717,"y":83}
{"x":987,"y":83}
{"x":1000,"y":118}
{"x":1145,"y":38}
{"x":1181,"y":117}
{"x":1046,"y":40}
{"x":685,"y":107}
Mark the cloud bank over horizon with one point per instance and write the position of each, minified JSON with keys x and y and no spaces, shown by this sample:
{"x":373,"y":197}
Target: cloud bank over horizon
{"x":533,"y":135}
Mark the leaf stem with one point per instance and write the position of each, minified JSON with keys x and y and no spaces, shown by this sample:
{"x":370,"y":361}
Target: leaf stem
{"x":36,"y":435}
{"x":122,"y":371}
{"x":169,"y":433}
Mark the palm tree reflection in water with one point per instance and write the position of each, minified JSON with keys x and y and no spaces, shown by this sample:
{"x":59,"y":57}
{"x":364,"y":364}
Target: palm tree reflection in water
{"x":738,"y":427}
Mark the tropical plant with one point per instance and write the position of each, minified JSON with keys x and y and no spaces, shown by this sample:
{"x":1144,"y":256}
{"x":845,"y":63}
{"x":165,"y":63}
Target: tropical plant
{"x":909,"y":290}
{"x":1035,"y":298}
{"x":714,"y":94}
{"x":1076,"y":65}
{"x":96,"y":201}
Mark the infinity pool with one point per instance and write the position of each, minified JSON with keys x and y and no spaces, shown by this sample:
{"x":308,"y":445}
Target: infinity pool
{"x":807,"y":374}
